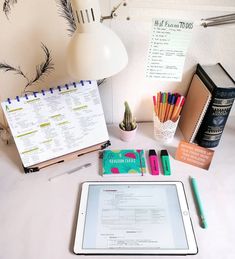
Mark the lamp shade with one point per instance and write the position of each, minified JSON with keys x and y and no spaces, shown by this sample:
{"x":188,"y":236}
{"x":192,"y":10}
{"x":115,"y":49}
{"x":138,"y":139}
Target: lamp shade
{"x":95,"y":51}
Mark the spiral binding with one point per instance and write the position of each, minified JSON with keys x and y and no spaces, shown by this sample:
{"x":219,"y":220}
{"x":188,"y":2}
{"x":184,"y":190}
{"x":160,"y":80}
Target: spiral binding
{"x":51,"y":90}
{"x":199,"y":120}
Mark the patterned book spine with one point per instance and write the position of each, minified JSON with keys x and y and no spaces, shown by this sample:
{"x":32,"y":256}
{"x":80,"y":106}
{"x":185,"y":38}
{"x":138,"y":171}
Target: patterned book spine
{"x":214,"y":121}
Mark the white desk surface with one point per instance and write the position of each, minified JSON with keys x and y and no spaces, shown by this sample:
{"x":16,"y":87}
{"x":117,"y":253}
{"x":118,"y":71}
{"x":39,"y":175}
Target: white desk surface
{"x":38,"y":217}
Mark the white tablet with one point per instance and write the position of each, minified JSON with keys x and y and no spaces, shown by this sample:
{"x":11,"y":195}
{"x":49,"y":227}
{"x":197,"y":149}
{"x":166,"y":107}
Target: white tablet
{"x":134,"y":218}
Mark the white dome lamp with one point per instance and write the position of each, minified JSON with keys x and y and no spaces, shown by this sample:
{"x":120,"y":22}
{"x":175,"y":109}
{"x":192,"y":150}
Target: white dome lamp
{"x":95,"y":51}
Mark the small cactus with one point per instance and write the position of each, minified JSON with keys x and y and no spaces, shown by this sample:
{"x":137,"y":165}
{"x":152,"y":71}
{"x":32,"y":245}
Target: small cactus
{"x":128,"y":123}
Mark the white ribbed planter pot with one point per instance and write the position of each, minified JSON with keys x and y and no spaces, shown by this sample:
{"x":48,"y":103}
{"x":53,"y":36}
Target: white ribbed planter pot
{"x":127,"y":135}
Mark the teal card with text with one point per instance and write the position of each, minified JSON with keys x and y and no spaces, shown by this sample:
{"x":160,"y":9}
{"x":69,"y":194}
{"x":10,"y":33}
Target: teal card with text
{"x":124,"y":162}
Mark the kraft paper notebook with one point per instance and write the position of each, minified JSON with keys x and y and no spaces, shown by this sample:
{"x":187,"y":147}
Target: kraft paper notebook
{"x":196,"y":104}
{"x":56,"y":125}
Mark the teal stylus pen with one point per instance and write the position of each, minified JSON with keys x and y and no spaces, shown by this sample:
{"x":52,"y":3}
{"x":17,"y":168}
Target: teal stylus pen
{"x":198,"y":202}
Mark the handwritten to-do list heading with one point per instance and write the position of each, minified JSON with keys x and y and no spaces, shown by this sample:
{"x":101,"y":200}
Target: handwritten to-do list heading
{"x":167,"y":49}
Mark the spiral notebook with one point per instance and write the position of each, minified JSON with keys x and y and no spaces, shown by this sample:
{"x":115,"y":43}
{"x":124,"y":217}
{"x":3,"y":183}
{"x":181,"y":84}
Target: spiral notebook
{"x":193,"y":112}
{"x":57,"y":125}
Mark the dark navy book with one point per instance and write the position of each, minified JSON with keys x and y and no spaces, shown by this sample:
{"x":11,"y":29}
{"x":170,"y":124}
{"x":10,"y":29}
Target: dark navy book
{"x":222,"y":87}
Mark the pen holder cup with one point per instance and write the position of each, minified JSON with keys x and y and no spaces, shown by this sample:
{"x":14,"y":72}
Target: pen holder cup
{"x":164,"y":131}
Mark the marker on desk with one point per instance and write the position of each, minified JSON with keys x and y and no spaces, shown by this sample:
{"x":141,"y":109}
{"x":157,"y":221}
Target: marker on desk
{"x":71,"y":171}
{"x":165,"y":162}
{"x":153,"y":161}
{"x":198,"y":202}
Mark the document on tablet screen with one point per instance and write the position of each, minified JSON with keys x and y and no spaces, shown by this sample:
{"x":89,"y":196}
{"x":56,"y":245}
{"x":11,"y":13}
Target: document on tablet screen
{"x":134,"y":217}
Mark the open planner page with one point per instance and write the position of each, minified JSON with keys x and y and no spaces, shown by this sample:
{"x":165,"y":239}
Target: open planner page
{"x":53,"y":123}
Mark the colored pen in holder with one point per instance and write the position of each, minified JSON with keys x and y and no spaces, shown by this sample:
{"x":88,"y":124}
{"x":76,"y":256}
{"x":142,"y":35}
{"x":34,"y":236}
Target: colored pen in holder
{"x":167,"y":108}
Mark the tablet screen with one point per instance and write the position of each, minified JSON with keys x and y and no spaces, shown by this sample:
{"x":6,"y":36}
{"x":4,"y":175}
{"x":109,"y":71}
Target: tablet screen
{"x":136,"y":217}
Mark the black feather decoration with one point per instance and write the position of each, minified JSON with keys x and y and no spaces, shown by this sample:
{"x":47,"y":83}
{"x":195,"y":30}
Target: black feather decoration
{"x":101,"y":81}
{"x":7,"y":4}
{"x":7,"y":68}
{"x":65,"y":11}
{"x":44,"y":68}
{"x":41,"y":70}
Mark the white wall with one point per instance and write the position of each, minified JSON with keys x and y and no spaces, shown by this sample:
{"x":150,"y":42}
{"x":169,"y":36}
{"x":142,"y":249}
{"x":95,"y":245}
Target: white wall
{"x":31,"y":22}
{"x":208,"y":46}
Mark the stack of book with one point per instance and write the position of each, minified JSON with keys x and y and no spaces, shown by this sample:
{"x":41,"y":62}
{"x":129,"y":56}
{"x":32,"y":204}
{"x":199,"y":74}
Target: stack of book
{"x":208,"y":103}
